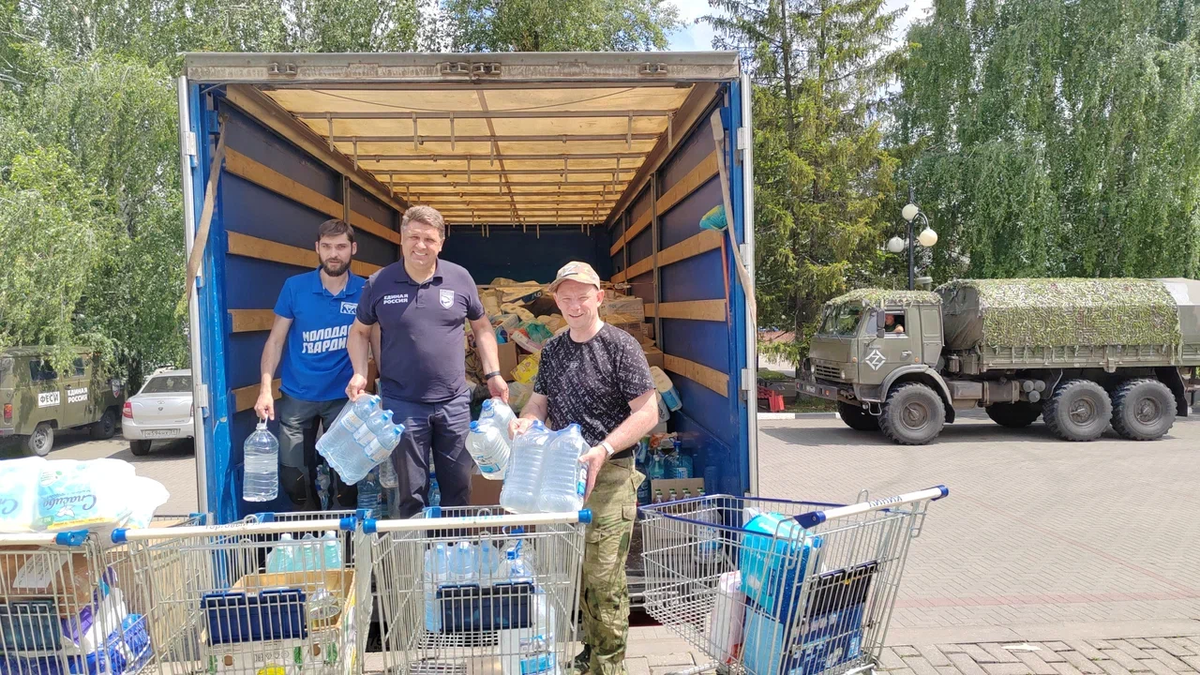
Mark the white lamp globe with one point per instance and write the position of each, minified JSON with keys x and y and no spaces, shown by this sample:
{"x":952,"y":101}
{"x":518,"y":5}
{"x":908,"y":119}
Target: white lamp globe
{"x":927,"y":237}
{"x":910,"y":211}
{"x":895,"y":244}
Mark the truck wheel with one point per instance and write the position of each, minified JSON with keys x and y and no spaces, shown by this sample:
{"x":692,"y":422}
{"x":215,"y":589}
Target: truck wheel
{"x":912,"y":415}
{"x":1013,"y":415}
{"x":42,"y":440}
{"x":856,"y":418}
{"x":1079,"y":410}
{"x":140,"y":448}
{"x":106,"y":427}
{"x":1143,"y":410}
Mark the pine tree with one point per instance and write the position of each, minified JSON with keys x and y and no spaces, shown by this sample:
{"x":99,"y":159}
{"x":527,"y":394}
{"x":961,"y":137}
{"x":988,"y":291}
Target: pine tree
{"x":820,"y":70}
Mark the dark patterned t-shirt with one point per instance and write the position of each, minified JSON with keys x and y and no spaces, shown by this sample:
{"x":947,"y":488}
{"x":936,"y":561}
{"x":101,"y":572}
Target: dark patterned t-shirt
{"x":591,"y":383}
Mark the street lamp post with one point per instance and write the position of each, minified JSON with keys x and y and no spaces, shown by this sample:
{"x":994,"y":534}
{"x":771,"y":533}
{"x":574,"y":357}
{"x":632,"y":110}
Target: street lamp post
{"x":926,"y":238}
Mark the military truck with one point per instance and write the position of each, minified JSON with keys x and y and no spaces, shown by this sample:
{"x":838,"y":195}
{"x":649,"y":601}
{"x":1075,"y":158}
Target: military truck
{"x":1082,"y":354}
{"x":37,"y":401}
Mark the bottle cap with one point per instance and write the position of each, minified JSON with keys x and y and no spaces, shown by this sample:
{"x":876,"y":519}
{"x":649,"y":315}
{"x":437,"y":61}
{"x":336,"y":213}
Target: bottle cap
{"x":487,"y":404}
{"x":474,"y":425}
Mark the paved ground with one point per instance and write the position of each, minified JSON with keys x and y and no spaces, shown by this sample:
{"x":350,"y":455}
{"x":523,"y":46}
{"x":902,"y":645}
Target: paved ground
{"x":1086,"y":552}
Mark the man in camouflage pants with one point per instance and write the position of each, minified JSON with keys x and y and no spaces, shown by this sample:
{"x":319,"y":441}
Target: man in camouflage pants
{"x":596,"y":376}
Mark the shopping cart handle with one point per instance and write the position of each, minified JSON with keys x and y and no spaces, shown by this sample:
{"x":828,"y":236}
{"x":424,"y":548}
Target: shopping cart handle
{"x":75,"y":538}
{"x":814,"y":518}
{"x":371,"y":526}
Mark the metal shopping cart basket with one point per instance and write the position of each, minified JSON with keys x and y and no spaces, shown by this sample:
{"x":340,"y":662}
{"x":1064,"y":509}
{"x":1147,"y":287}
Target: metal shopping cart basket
{"x":469,"y":591}
{"x":774,"y":587}
{"x":67,"y":606}
{"x":254,"y":597}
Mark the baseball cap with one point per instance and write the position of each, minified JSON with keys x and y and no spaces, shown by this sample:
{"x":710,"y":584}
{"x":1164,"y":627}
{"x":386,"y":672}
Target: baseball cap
{"x":576,"y":271}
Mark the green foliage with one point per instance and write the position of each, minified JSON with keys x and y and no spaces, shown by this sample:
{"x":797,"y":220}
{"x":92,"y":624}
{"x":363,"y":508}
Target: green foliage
{"x":1056,"y":139}
{"x":549,"y":26}
{"x":822,"y":174}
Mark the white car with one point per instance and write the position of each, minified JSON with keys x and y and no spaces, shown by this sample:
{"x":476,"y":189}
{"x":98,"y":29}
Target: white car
{"x":161,"y":410}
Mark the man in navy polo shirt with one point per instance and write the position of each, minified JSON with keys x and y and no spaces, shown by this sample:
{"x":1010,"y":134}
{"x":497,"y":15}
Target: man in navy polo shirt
{"x":313,"y":317}
{"x":421,"y":305}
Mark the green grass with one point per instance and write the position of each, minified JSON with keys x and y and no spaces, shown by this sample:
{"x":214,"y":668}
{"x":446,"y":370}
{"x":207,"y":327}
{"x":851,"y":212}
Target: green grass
{"x":805,"y":404}
{"x":771,"y":375}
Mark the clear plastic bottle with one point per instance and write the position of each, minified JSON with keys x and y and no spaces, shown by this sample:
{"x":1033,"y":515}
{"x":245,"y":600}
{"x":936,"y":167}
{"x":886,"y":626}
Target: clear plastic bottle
{"x":435,"y":492}
{"x":520,"y":490}
{"x":387,"y":474}
{"x":488,"y":446}
{"x":260,"y":482}
{"x":464,"y":563}
{"x":323,"y":482}
{"x":437,"y":573}
{"x":369,"y":493}
{"x":657,"y":468}
{"x":498,"y":411}
{"x":564,"y":478}
{"x":310,"y":553}
{"x":331,"y":550}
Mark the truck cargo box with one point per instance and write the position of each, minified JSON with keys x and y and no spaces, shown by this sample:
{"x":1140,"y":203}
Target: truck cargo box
{"x":535,"y":159}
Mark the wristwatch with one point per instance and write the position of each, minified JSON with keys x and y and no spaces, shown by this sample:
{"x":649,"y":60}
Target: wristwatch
{"x":608,"y":448}
{"x":488,"y":376}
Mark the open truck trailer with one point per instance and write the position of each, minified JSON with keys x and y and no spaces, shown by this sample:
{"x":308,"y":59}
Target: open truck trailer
{"x":534,"y":159}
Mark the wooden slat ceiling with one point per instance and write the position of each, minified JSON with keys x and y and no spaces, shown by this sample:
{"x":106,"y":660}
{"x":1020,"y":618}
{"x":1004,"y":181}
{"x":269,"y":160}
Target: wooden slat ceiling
{"x":496,"y":156}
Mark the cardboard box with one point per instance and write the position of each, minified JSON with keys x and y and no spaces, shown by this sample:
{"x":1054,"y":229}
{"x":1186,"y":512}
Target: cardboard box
{"x":692,"y":485}
{"x":654,"y":356}
{"x":484,"y":492}
{"x":624,"y":305}
{"x":648,"y":330}
{"x":331,"y":646}
{"x":508,"y":359}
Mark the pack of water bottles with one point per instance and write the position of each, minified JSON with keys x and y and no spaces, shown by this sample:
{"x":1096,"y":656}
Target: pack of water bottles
{"x":464,"y":564}
{"x":361,"y":438}
{"x":309,"y":554}
{"x":544,"y":474}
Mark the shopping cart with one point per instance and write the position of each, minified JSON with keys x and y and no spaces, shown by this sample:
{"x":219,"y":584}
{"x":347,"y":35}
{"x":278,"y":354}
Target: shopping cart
{"x":253,"y":597}
{"x":775,"y":587}
{"x":67,"y":606}
{"x":467,"y":590}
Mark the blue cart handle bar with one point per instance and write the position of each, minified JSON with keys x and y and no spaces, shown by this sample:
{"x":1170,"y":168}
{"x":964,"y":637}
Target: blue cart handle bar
{"x":811,"y":520}
{"x":371,"y":526}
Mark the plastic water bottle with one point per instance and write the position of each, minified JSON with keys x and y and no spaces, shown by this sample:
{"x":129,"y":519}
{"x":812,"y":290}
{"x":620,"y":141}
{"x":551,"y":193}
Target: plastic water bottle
{"x":281,"y":558}
{"x":323,"y":482}
{"x":437,"y":573}
{"x":491,"y":564}
{"x":435,"y":492}
{"x":464,"y":565}
{"x":517,"y":569}
{"x":564,"y":478}
{"x":331,"y":550}
{"x":368,"y":494}
{"x":261,"y":464}
{"x":520,"y":490}
{"x":310,"y":553}
{"x":488,"y":446}
{"x":387,"y":474}
{"x":657,"y":469}
{"x":499,"y":412}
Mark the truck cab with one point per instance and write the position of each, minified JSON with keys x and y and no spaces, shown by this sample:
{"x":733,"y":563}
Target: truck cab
{"x":870,"y":342}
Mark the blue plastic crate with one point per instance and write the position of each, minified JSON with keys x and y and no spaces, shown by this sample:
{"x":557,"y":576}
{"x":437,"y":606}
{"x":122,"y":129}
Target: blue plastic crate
{"x":124,"y":651}
{"x":273,"y":614}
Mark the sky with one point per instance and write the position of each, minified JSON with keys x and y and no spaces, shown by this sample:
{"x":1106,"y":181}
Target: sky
{"x":698,"y":37}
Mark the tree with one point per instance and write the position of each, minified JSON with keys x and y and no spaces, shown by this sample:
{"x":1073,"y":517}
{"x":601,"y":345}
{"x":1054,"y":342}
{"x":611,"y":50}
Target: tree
{"x":545,"y":26}
{"x":822,"y":174}
{"x":1057,"y":139}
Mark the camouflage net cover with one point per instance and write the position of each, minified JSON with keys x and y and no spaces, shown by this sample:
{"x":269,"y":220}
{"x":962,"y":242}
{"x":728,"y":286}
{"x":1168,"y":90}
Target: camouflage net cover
{"x":878,"y":297}
{"x":1058,"y":313}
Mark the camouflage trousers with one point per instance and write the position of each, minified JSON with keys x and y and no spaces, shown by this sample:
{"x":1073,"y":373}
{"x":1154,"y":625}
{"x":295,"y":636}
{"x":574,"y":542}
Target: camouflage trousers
{"x":604,"y":593}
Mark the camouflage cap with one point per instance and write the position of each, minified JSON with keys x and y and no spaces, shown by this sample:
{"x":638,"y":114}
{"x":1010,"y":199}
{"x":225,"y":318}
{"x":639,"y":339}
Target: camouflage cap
{"x":576,"y":271}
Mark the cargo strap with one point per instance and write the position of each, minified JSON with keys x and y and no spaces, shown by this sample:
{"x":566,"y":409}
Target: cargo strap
{"x":206,"y":214}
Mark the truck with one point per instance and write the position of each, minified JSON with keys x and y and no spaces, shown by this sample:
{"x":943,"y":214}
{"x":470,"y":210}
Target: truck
{"x":1082,"y":354}
{"x":37,"y":401}
{"x":533,"y":159}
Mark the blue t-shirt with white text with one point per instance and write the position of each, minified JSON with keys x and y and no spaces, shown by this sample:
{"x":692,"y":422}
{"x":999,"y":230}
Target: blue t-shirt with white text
{"x":315,"y":364}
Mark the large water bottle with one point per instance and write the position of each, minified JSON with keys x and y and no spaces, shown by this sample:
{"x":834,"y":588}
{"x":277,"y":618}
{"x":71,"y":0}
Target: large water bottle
{"x":260,"y":483}
{"x":488,"y":446}
{"x":331,"y":551}
{"x":369,"y":493}
{"x":498,"y":411}
{"x":518,"y":570}
{"x":520,"y":490}
{"x":464,"y":564}
{"x":282,"y":557}
{"x":437,"y":573}
{"x":387,"y":474}
{"x":564,"y":478}
{"x":310,"y":553}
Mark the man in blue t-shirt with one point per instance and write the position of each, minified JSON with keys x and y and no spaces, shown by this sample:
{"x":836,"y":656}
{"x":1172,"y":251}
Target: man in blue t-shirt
{"x":312,"y":316}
